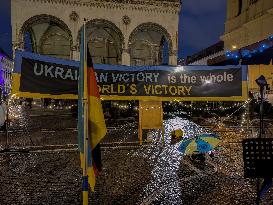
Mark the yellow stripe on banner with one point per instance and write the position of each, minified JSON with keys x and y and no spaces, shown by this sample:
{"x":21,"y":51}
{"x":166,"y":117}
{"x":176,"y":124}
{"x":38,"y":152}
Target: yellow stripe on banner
{"x":15,"y":83}
{"x":16,"y":86}
{"x":244,"y":97}
{"x":96,"y":118}
{"x":154,"y":98}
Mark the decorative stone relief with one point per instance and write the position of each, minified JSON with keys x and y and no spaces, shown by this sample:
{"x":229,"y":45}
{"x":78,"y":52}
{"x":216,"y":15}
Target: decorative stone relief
{"x":166,"y":5}
{"x":74,"y":16}
{"x":126,"y":20}
{"x":75,"y":48}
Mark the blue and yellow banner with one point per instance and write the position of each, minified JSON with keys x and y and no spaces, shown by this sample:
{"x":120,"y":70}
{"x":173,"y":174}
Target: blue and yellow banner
{"x":39,"y":77}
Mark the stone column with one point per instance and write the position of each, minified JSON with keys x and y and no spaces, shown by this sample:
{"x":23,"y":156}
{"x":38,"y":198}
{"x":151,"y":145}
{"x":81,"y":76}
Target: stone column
{"x":17,"y":46}
{"x":74,"y":27}
{"x":75,"y":53}
{"x":125,"y":57}
{"x":17,"y":37}
{"x":157,"y":60}
{"x":173,"y":58}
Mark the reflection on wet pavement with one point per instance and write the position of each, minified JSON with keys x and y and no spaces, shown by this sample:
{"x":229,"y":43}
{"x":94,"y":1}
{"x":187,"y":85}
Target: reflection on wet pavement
{"x":155,"y":173}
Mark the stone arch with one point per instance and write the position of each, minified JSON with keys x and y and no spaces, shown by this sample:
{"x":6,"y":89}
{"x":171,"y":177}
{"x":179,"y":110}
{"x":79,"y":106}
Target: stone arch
{"x":154,"y":27}
{"x":111,"y":33}
{"x":48,"y":25}
{"x":144,"y":32}
{"x":43,"y":18}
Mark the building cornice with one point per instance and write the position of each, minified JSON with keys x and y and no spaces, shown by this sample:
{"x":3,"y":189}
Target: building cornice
{"x":165,"y":6}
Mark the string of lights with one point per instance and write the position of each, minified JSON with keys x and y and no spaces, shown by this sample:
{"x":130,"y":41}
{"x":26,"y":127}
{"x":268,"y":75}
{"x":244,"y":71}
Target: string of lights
{"x":189,"y":106}
{"x":248,"y":53}
{"x":207,"y":108}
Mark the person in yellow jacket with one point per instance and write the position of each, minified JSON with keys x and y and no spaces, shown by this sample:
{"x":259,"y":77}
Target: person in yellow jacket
{"x":176,"y":136}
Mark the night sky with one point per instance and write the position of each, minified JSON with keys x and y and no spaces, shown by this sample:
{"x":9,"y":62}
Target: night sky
{"x":5,"y":27}
{"x":201,"y":24}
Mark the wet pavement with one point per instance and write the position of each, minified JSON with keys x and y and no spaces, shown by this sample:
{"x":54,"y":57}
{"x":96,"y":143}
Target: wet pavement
{"x":48,"y":171}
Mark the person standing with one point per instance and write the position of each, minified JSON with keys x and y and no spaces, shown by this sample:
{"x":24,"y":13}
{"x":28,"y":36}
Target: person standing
{"x":3,"y":115}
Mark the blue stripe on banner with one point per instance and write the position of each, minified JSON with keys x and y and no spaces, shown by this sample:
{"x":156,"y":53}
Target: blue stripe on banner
{"x":244,"y":72}
{"x":85,"y":183}
{"x":167,"y":68}
{"x":20,"y":54}
{"x":17,"y":62}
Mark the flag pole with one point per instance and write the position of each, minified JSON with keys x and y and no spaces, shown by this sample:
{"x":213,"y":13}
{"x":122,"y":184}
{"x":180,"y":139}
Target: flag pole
{"x":82,"y":116}
{"x":85,"y":105}
{"x":85,"y":179}
{"x":85,"y":176}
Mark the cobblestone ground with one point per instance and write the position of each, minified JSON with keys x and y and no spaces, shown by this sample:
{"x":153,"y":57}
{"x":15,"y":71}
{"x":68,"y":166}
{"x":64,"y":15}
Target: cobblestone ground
{"x":47,"y":171}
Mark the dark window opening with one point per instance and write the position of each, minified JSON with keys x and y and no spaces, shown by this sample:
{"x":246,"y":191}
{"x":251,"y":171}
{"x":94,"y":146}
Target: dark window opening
{"x":240,"y":4}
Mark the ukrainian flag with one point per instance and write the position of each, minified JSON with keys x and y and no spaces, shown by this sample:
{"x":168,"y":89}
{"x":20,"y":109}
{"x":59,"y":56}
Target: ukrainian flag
{"x":91,"y":121}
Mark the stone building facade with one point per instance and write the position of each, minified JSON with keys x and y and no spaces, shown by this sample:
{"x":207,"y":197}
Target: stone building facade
{"x":127,"y":32}
{"x":248,"y":21}
{"x":248,"y":26}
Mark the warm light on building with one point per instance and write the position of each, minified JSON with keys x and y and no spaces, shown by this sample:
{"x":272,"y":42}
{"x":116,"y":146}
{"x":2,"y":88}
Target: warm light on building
{"x":247,"y":23}
{"x":234,"y":47}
